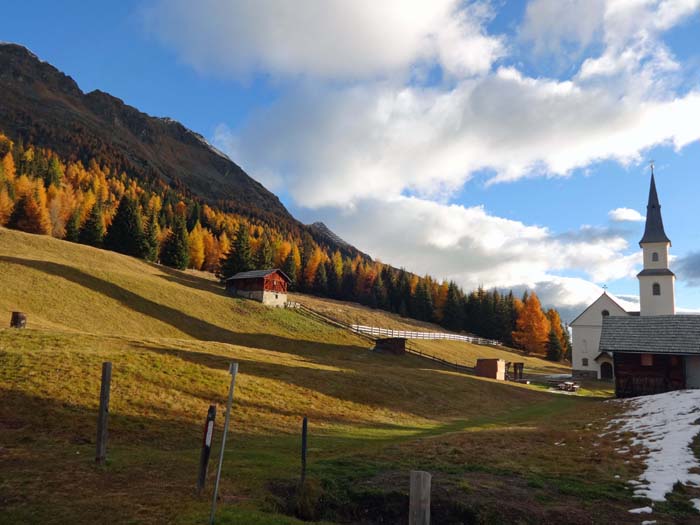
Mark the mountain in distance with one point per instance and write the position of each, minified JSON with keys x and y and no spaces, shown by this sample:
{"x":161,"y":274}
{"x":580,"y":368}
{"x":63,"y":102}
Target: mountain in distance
{"x":45,"y":107}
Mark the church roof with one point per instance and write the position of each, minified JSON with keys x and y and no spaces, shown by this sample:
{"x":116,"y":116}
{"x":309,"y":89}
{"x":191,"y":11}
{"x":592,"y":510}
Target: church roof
{"x":655,"y":272}
{"x":657,"y":334}
{"x":605,"y":294}
{"x":654,"y":227}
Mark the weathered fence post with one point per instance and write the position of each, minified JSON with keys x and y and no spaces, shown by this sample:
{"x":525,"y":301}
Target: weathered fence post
{"x":19,"y":320}
{"x":304,"y":441}
{"x":419,"y":504}
{"x":102,"y":417}
{"x":206,"y":448}
{"x":233,"y":370}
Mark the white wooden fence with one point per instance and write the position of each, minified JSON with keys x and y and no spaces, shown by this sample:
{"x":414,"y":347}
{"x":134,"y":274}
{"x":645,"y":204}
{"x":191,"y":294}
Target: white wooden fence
{"x":375,"y":331}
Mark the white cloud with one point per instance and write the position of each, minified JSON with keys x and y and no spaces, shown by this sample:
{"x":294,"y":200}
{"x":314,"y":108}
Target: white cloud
{"x":334,"y":146}
{"x":552,"y":24}
{"x":325,"y":38}
{"x":625,"y":215}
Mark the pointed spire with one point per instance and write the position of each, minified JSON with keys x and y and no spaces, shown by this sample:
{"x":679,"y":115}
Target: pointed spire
{"x":654,"y":228}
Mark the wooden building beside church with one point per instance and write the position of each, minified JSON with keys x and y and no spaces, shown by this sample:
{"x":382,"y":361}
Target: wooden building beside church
{"x":653,"y":354}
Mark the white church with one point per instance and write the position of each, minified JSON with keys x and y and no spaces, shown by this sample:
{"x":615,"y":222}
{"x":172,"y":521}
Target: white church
{"x":649,"y":351}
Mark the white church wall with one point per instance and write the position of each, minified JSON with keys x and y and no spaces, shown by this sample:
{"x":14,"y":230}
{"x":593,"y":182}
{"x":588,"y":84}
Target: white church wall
{"x":662,"y":304}
{"x":585,"y":335}
{"x":658,"y":248}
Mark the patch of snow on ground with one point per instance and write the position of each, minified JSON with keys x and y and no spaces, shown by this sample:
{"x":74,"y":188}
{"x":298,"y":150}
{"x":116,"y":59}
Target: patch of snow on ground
{"x":641,"y":510}
{"x":696,"y":503}
{"x":664,"y":425}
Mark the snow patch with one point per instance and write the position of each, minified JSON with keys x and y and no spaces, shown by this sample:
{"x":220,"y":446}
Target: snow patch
{"x":641,"y":510}
{"x":208,"y":145}
{"x":664,"y":425}
{"x":696,"y":503}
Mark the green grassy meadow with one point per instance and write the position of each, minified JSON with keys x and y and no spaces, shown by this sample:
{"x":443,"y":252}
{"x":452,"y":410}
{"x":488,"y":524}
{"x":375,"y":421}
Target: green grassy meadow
{"x":498,"y":452}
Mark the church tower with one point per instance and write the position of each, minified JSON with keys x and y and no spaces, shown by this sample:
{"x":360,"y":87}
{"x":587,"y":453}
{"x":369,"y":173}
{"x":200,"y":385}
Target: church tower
{"x":656,"y":280}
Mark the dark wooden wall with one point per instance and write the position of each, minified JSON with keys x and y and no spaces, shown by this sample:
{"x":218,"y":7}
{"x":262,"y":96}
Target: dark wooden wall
{"x":666,"y":373}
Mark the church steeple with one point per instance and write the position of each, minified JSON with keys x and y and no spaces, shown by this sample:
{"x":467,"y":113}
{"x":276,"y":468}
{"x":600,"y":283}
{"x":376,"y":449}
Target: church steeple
{"x":654,"y":228}
{"x":657,"y":295}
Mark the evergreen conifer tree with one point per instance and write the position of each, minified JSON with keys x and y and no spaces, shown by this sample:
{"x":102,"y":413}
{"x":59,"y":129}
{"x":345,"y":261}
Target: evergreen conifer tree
{"x":453,"y":316}
{"x":422,"y":307}
{"x":73,"y":226}
{"x":175,"y":251}
{"x":333,"y":281}
{"x":554,"y":350}
{"x":125,"y":234}
{"x":566,"y":348}
{"x":151,"y":238}
{"x":290,"y":268}
{"x":93,"y":230}
{"x":263,"y":257}
{"x":54,"y":172}
{"x":239,"y":258}
{"x":321,"y":281}
{"x":378,"y":295}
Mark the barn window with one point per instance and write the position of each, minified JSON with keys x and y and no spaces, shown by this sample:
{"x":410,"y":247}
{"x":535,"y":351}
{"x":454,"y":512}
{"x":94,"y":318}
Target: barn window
{"x":655,"y":257}
{"x":656,"y":289}
{"x":605,"y":313}
{"x":647,"y":360}
{"x":584,"y":361}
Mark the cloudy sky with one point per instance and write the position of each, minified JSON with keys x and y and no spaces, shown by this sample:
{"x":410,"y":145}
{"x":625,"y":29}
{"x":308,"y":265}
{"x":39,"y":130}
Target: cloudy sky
{"x":494,"y":143}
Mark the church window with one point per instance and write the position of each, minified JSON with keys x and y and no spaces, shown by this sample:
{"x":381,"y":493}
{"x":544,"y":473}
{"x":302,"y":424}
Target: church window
{"x":655,"y":257}
{"x":584,"y":361}
{"x":656,"y":289}
{"x":647,"y":360}
{"x":605,"y":313}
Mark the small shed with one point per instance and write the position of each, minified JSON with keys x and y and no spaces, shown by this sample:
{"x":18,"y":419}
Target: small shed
{"x":491,"y":368}
{"x":266,"y":286}
{"x":653,"y":354}
{"x":391,"y":345}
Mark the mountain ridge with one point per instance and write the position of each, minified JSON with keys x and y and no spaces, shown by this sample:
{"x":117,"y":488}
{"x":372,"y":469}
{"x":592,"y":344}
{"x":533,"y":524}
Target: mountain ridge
{"x":45,"y":106}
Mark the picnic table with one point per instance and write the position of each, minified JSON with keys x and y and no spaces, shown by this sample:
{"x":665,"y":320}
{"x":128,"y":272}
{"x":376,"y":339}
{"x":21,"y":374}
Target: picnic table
{"x":568,"y":386}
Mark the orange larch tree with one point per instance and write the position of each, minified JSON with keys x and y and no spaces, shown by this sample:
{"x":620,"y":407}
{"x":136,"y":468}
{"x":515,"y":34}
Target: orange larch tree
{"x":532,"y":326}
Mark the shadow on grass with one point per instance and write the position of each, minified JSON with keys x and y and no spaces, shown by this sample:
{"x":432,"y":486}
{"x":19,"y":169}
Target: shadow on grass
{"x":192,"y":326}
{"x":189,"y":280}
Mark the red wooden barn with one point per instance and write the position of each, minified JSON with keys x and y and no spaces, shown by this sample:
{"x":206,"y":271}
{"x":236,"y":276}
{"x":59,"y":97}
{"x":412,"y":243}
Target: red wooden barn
{"x":266,"y":286}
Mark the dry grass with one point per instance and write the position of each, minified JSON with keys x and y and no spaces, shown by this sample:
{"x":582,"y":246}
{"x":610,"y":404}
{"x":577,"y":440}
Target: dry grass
{"x":170,"y":336}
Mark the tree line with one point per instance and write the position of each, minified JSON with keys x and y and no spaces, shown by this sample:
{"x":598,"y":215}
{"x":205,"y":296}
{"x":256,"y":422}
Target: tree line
{"x":94,"y":205}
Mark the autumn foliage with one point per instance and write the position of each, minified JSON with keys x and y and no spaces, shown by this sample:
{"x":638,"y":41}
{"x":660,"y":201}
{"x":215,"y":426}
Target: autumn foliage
{"x":96,"y":205}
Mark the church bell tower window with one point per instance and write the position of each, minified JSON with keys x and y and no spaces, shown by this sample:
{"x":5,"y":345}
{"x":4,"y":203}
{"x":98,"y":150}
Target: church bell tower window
{"x":656,"y":289}
{"x":655,"y":257}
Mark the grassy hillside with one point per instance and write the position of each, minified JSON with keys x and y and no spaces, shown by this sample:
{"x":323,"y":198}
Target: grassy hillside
{"x":455,"y":352}
{"x":495,"y":449}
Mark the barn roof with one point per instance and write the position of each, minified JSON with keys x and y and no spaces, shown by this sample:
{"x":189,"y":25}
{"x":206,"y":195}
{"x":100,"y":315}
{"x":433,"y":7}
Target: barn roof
{"x":257,"y":274}
{"x":657,"y":334}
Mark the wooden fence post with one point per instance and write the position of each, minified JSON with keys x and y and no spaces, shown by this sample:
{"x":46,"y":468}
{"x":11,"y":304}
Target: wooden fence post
{"x":101,"y":452}
{"x":304,"y":433}
{"x":419,"y":504}
{"x":206,"y":448}
{"x":18,"y":320}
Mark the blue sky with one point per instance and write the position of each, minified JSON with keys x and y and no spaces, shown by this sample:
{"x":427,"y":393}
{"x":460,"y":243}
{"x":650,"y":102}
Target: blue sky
{"x":486,"y":142}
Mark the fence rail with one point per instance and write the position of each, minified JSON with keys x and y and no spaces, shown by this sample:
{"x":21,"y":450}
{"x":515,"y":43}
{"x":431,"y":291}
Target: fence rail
{"x":404,"y":334}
